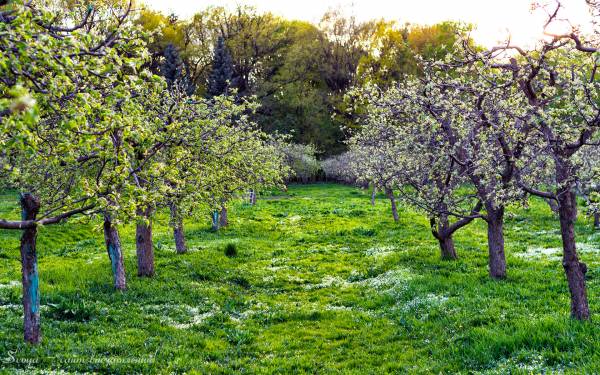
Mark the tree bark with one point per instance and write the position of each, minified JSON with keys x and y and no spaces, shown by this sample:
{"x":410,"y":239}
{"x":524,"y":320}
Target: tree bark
{"x":574,"y":270}
{"x":597,"y":220}
{"x":447,"y":249}
{"x":178,"y":234}
{"x":553,"y":205}
{"x":223,"y":221}
{"x":144,"y":245}
{"x":30,"y":206}
{"x":443,"y":234}
{"x":497,"y":258}
{"x":373,"y":194}
{"x":180,"y":246}
{"x":115,"y":253}
{"x":215,"y":220}
{"x":253,"y":197}
{"x":443,"y":231}
{"x":390,"y":195}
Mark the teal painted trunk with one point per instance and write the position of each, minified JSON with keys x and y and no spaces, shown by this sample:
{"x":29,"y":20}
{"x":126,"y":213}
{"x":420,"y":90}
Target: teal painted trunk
{"x":115,"y":253}
{"x":34,"y":289}
{"x":215,"y":220}
{"x":112,"y":255}
{"x":30,"y":206}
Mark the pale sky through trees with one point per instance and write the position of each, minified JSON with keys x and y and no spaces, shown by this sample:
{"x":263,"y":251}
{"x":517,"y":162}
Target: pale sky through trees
{"x":493,"y":17}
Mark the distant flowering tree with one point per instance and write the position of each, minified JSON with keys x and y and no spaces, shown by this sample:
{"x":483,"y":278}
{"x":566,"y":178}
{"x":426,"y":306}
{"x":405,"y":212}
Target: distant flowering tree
{"x":301,"y":160}
{"x":339,"y":168}
{"x":398,"y":148}
{"x":374,"y":163}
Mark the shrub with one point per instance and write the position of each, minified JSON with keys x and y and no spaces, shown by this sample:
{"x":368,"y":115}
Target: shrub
{"x":72,"y":310}
{"x":240,"y":281}
{"x":230,"y":250}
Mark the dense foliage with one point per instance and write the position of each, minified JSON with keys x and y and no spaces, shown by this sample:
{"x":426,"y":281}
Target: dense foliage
{"x":111,"y":116}
{"x":299,"y":71}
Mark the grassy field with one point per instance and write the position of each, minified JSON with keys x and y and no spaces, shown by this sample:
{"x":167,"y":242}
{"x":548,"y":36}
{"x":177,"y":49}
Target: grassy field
{"x":322,"y":283}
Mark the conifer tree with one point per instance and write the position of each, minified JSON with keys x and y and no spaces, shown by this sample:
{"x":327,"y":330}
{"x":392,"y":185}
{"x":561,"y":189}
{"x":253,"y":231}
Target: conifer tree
{"x":172,"y":66}
{"x":221,"y":78}
{"x":175,"y":71}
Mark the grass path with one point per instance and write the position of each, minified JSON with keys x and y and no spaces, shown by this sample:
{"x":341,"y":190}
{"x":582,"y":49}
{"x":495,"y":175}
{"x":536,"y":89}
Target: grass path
{"x":323,"y":283}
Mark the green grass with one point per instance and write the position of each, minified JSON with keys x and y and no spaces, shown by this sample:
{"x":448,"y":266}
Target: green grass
{"x":322,"y":283}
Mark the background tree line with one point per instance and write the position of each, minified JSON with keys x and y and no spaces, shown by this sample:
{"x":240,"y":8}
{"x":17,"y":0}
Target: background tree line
{"x":298,"y":71}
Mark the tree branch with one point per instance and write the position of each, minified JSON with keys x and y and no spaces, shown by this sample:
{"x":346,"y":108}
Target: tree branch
{"x":25,"y":224}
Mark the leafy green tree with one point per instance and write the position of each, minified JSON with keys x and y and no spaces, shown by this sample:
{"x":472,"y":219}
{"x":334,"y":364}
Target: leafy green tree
{"x":435,"y":42}
{"x":220,"y":82}
{"x":390,"y":58}
{"x":396,"y":152}
{"x":302,"y":161}
{"x":228,"y":154}
{"x":66,"y":80}
{"x":161,"y":31}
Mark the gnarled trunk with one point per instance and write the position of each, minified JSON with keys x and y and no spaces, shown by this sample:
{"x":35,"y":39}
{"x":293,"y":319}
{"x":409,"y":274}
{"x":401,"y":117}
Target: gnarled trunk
{"x":497,"y":258}
{"x":223,"y":221}
{"x":567,"y":213}
{"x":144,"y":245}
{"x":253,"y":197}
{"x":178,"y":233}
{"x":448,"y":252}
{"x":115,"y":253}
{"x":390,"y":195}
{"x":597,"y":220}
{"x":30,"y":206}
{"x":574,"y":270}
{"x":443,"y":234}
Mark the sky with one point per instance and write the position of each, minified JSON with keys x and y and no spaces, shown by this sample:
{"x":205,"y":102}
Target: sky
{"x":495,"y":19}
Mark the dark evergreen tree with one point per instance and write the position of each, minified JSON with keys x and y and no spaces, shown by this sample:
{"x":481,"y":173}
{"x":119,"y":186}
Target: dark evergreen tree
{"x":175,"y":71}
{"x":172,"y":66}
{"x":221,"y":78}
